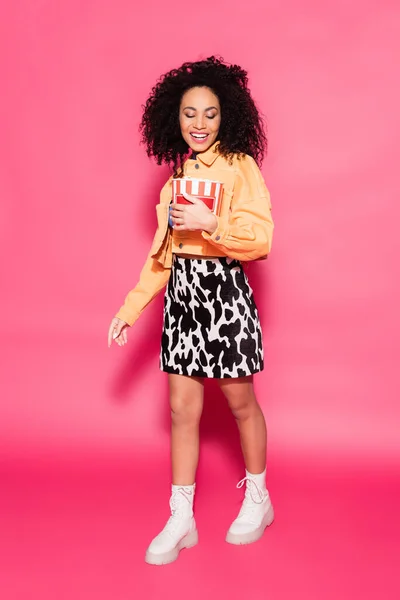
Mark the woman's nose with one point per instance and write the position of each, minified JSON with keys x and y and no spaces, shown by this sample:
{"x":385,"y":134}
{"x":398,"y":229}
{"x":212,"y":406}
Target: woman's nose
{"x":199,"y":123}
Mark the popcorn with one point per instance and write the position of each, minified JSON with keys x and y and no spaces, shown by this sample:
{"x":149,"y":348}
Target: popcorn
{"x":210,"y":192}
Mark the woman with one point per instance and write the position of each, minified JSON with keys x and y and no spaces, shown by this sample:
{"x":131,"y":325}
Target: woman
{"x":202,"y":120}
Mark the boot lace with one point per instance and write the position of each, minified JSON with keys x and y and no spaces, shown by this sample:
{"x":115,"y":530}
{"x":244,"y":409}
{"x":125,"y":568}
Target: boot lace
{"x":178,"y":508}
{"x":252,"y":490}
{"x":253,"y":498}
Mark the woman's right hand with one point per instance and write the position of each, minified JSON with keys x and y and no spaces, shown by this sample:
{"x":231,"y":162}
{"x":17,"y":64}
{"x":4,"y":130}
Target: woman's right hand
{"x":118,"y":332}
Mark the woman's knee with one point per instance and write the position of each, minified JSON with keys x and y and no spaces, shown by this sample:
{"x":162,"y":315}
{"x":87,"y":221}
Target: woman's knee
{"x":244,"y":408}
{"x":186,"y":410}
{"x":186,"y":399}
{"x":241,"y":400}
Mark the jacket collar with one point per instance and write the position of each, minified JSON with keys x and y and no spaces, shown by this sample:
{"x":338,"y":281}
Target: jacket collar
{"x":209,"y":156}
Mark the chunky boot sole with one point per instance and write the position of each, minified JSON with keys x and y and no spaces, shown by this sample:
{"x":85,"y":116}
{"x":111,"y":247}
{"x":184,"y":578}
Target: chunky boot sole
{"x":248,"y":538}
{"x":190,"y":540}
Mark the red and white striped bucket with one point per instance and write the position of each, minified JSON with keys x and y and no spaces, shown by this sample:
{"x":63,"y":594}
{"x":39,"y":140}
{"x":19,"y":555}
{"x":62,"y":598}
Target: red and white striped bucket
{"x":210,"y":192}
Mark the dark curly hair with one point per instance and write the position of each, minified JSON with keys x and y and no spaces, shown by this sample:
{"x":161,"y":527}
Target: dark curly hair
{"x":242,"y":129}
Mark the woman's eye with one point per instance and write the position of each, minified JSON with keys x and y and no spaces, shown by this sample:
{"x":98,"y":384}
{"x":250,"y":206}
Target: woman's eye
{"x":189,"y":116}
{"x":211,"y":116}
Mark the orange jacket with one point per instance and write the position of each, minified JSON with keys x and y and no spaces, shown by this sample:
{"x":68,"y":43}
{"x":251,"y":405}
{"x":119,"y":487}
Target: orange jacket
{"x":244,"y":229}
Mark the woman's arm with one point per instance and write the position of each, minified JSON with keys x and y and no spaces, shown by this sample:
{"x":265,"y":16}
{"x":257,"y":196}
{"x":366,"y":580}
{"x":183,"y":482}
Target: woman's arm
{"x":153,"y":278}
{"x":246,"y":234}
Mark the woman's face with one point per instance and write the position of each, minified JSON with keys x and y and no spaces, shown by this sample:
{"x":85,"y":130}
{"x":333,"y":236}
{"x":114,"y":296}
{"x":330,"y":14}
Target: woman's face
{"x":199,"y":118}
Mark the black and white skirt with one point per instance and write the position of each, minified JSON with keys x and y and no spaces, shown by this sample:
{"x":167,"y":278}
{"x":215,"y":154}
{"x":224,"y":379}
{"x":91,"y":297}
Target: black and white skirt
{"x":211,"y":324}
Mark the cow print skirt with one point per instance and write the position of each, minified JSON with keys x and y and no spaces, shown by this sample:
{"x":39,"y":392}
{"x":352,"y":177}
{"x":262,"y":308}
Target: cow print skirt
{"x":211,"y":324}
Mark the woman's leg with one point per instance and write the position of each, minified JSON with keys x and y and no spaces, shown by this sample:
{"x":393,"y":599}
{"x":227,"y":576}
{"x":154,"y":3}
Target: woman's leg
{"x":250,"y":420}
{"x":186,"y":400}
{"x":257,"y":511}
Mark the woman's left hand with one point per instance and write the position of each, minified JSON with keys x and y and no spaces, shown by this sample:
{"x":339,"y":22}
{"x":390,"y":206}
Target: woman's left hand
{"x":194,"y":216}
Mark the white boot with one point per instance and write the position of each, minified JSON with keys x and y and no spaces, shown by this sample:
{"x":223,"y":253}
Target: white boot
{"x":256,"y":513}
{"x":180,"y":530}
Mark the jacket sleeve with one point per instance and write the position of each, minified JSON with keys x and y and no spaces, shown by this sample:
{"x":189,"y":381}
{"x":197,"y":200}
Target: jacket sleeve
{"x":154,"y":275}
{"x":153,"y":278}
{"x":246,"y":234}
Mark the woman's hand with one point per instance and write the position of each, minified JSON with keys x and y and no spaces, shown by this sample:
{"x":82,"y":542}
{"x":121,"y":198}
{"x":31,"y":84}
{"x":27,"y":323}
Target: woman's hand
{"x":118,"y":332}
{"x":193,"y":217}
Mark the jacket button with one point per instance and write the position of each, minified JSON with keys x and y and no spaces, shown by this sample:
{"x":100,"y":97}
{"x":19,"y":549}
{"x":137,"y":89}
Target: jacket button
{"x":218,"y":238}
{"x":181,"y":245}
{"x":196,"y":166}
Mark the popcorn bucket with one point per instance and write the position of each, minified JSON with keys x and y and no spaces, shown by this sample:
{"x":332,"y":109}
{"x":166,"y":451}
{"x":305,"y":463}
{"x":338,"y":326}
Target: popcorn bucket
{"x":210,"y":192}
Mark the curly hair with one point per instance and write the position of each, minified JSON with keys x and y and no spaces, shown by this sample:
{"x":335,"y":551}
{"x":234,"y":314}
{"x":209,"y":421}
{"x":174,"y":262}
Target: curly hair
{"x":242,"y":129}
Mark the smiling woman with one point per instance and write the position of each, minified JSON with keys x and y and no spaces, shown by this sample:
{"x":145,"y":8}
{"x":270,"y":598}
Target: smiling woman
{"x":201,"y":120}
{"x":242,"y":129}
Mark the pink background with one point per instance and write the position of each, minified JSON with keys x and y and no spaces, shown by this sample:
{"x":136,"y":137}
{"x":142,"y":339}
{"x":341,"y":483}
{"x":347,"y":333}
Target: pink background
{"x":84,"y":430}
